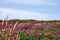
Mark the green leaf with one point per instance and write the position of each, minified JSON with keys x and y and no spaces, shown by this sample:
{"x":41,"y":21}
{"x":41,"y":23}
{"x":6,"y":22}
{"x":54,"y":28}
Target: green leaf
{"x":33,"y":38}
{"x":22,"y":37}
{"x":55,"y":38}
{"x":4,"y":38}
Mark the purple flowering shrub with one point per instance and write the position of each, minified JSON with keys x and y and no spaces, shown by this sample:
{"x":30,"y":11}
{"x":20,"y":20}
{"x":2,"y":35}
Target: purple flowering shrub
{"x":29,"y":32}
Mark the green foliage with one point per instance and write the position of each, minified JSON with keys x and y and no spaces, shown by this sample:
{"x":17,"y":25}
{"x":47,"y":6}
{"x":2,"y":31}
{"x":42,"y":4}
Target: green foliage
{"x":32,"y":38}
{"x":32,"y":29}
{"x":28,"y":38}
{"x":22,"y":37}
{"x":4,"y":38}
{"x":21,"y":32}
{"x":49,"y":36}
{"x":42,"y":36}
{"x":55,"y":38}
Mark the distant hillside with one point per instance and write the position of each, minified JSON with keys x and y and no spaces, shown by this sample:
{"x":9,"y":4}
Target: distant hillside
{"x":31,"y":21}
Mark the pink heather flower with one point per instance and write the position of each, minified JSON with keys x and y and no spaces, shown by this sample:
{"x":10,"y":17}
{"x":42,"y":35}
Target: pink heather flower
{"x":58,"y":35}
{"x":29,"y":33}
{"x":15,"y":25}
{"x":3,"y":22}
{"x":1,"y":26}
{"x":6,"y":22}
{"x":17,"y":37}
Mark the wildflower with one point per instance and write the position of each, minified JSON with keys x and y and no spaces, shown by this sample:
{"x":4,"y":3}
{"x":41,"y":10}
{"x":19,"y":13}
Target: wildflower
{"x":3,"y":22}
{"x":1,"y":26}
{"x":15,"y":25}
{"x":41,"y":27}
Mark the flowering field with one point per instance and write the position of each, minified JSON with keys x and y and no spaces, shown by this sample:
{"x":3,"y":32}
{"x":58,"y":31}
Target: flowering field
{"x":29,"y":30}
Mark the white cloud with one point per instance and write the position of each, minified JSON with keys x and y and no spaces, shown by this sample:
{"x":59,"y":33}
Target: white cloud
{"x":22,"y":14}
{"x":31,"y":2}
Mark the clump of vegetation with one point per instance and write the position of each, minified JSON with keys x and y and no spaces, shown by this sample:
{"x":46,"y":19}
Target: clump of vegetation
{"x":29,"y":30}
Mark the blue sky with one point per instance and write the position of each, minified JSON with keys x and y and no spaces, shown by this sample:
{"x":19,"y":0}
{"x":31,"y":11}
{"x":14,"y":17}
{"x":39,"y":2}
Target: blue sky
{"x":30,"y":9}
